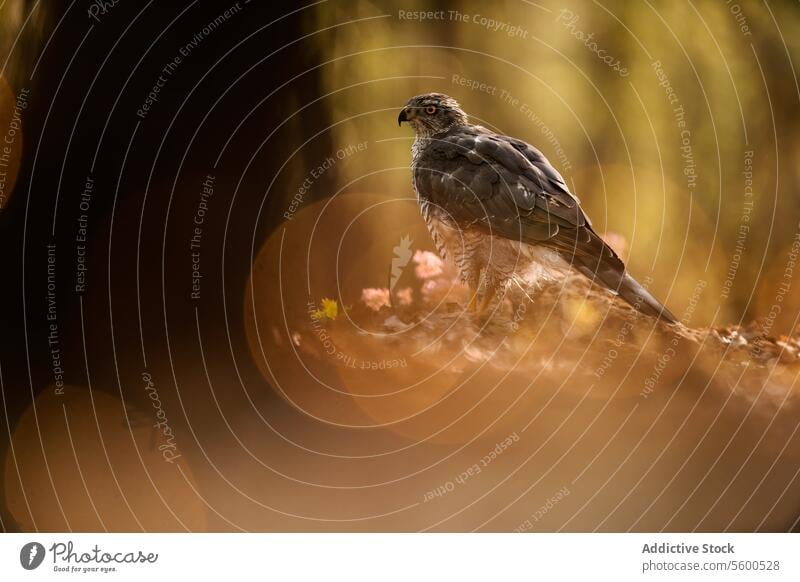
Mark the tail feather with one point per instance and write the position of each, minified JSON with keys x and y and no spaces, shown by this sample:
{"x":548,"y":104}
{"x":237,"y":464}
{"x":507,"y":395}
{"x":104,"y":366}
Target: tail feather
{"x":608,"y":270}
{"x":642,"y":300}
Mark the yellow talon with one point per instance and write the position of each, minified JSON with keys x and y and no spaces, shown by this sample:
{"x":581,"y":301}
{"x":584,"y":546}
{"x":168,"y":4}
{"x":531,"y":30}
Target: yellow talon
{"x":472,"y":306}
{"x":488,"y":295}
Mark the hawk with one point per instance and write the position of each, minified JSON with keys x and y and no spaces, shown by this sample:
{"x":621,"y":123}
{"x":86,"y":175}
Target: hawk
{"x":496,"y":207}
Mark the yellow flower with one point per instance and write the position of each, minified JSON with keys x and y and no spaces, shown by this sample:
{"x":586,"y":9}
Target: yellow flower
{"x":330,"y":309}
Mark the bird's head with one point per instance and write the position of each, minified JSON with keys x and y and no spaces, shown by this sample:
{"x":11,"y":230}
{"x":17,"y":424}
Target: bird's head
{"x":432,"y":113}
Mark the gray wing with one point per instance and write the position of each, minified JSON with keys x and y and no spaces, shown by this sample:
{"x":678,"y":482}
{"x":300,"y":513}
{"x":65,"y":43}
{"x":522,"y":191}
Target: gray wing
{"x":504,"y":187}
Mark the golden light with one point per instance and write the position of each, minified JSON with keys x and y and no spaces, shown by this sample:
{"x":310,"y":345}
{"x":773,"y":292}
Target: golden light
{"x":392,"y":375}
{"x":74,"y":465}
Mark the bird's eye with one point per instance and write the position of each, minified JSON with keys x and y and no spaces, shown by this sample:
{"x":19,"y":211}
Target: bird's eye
{"x":430,"y":109}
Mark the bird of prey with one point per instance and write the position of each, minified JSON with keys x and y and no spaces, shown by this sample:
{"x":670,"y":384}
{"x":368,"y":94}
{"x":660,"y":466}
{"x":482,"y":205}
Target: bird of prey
{"x":496,"y":207}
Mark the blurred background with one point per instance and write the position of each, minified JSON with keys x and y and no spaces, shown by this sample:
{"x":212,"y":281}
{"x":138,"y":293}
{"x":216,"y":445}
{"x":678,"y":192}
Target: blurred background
{"x":183,"y":184}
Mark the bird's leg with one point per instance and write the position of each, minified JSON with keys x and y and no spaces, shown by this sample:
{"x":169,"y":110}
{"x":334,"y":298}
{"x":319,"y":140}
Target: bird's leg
{"x":472,"y":306}
{"x":473,"y":283}
{"x":488,"y":295}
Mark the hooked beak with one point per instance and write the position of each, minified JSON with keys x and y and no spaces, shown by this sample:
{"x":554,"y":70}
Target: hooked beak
{"x":402,"y":117}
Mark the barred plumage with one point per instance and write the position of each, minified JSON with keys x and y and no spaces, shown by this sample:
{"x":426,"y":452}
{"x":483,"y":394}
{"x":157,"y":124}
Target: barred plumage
{"x":496,"y":207}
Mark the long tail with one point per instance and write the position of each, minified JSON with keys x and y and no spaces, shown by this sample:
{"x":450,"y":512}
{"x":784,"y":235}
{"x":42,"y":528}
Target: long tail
{"x":606,"y":268}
